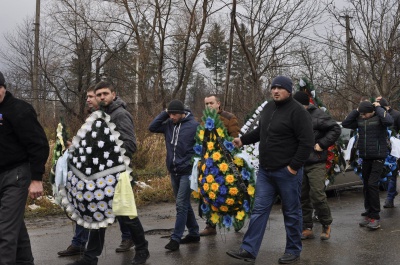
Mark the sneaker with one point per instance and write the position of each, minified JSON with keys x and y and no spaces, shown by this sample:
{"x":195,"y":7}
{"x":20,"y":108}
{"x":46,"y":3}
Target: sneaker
{"x":388,"y":204}
{"x":374,"y":224}
{"x":307,"y":234}
{"x":288,"y":258}
{"x":366,"y":213}
{"x":125,"y":245}
{"x":241,"y":254}
{"x":326,"y":232}
{"x":71,"y":251}
{"x":208,"y":231}
{"x":172,"y":245}
{"x":190,"y":239}
{"x":141,"y":257}
{"x":365,"y":222}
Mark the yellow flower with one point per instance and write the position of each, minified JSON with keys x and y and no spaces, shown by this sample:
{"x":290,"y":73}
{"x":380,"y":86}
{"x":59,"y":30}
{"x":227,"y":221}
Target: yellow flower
{"x":210,"y":145}
{"x":220,"y":132}
{"x":203,"y":167}
{"x":196,"y":195}
{"x":238,"y":161}
{"x":223,"y":208}
{"x":215,"y":186}
{"x":223,"y":167}
{"x":215,"y":209}
{"x":206,"y":187}
{"x":201,"y":135}
{"x":230,"y":179}
{"x":240,"y":215}
{"x":210,"y":178}
{"x":230,"y":201}
{"x":206,"y":155}
{"x":200,"y":178}
{"x":216,"y":156}
{"x":233,"y":191}
{"x":212,"y":195}
{"x":250,"y":190}
{"x":214,"y":218}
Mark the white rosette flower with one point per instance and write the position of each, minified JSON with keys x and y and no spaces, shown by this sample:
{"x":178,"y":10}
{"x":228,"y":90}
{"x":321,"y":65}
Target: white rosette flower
{"x":74,"y":191}
{"x":106,"y":155}
{"x":101,"y":167}
{"x":74,"y":180}
{"x":95,"y":160}
{"x":109,"y":191}
{"x":81,"y":207}
{"x":68,"y":185}
{"x":80,"y":185}
{"x":92,"y":207}
{"x":90,"y":185}
{"x":78,"y":165}
{"x":98,"y":216}
{"x":69,"y":197}
{"x":99,"y":195}
{"x":106,"y":131}
{"x":98,"y":124}
{"x":88,"y":171}
{"x":117,"y":149}
{"x":74,"y":160}
{"x":81,"y":150}
{"x":120,"y":159}
{"x":109,"y":213}
{"x":88,"y":195}
{"x":89,"y":149}
{"x":70,"y":208}
{"x":102,"y":206}
{"x":80,"y":221}
{"x":110,"y":163}
{"x":70,"y":156}
{"x":83,"y":142}
{"x":79,"y":196}
{"x":110,"y":203}
{"x":100,"y":144}
{"x":110,"y":180}
{"x":101,"y":183}
{"x":112,"y":138}
{"x":83,"y":159}
{"x":94,"y":135}
{"x":81,"y":133}
{"x":88,"y":219}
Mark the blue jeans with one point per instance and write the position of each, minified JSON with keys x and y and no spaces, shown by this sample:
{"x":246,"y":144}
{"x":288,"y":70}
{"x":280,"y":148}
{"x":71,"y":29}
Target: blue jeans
{"x":184,"y":212}
{"x":392,"y":186}
{"x":271,"y":183}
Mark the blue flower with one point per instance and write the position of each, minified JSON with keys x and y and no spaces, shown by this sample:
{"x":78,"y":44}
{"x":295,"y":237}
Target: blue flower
{"x":220,"y":200}
{"x":245,"y":174}
{"x":227,"y":221}
{"x":205,"y":208}
{"x":203,"y":180}
{"x":220,"y":180}
{"x":223,"y":190}
{"x":214,"y":171}
{"x":209,"y":162}
{"x":206,"y":171}
{"x":228,"y":145}
{"x":198,"y":149}
{"x":209,"y":124}
{"x":246,"y":206}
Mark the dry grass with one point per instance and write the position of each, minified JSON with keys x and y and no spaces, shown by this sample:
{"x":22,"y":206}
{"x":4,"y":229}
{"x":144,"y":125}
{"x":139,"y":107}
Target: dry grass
{"x":160,"y":191}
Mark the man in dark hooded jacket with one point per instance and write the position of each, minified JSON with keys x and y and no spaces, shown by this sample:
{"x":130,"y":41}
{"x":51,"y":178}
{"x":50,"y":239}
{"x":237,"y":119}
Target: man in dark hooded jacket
{"x":326,"y":132}
{"x":179,"y":128}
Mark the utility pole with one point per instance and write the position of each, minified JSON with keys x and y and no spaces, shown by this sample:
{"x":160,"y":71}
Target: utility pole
{"x":228,"y":66}
{"x":349,"y":72}
{"x":36,"y":59}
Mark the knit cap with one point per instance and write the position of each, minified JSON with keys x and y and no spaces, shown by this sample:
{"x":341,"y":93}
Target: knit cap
{"x":283,"y":82}
{"x":176,"y":107}
{"x":366,"y":107}
{"x":302,"y":98}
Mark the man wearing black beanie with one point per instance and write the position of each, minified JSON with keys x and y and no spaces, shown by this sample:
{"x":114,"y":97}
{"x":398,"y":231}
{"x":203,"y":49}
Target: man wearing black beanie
{"x":371,"y":120}
{"x":285,"y":137}
{"x":23,"y":154}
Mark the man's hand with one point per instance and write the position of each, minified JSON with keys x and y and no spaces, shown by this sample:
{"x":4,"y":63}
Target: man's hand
{"x":35,"y":189}
{"x":237,"y":142}
{"x":318,"y":148}
{"x":294,"y":172}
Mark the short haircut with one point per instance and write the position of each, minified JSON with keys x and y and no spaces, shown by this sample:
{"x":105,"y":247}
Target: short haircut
{"x":216,"y":97}
{"x":90,"y":89}
{"x":104,"y":84}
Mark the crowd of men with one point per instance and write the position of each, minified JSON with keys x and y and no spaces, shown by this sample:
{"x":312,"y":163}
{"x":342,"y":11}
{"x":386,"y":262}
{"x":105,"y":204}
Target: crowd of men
{"x":294,"y":138}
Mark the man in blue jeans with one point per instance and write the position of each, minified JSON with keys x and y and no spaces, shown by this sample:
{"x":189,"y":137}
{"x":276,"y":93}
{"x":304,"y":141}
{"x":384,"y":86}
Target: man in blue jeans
{"x":81,"y":235}
{"x":179,"y":128}
{"x":285,"y":133}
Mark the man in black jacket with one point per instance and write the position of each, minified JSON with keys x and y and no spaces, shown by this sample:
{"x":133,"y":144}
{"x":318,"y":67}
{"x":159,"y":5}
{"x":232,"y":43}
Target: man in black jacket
{"x":286,"y":140}
{"x":372,"y":122}
{"x":392,"y":185}
{"x":326,"y":132}
{"x":23,"y":154}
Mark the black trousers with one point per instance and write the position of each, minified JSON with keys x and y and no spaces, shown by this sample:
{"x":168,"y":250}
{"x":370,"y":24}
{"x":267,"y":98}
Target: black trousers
{"x":96,"y":239}
{"x":371,"y":173}
{"x":15,"y":246}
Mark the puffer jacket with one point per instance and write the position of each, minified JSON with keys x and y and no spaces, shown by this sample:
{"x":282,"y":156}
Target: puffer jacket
{"x":373,"y":136}
{"x":179,"y":141}
{"x":230,"y":122}
{"x":326,"y":132}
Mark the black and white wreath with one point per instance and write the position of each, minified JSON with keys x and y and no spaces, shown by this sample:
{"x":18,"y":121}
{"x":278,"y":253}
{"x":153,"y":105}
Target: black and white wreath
{"x":95,"y":162}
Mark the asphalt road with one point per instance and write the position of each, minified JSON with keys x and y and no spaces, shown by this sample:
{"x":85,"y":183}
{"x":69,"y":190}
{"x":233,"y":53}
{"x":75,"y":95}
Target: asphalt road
{"x":349,"y":244}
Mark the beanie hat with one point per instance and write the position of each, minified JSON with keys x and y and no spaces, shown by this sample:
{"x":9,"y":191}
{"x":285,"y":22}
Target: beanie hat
{"x":283,"y":82}
{"x":383,"y":102}
{"x":302,"y":98}
{"x":176,"y":107}
{"x":2,"y":80}
{"x":366,"y":107}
